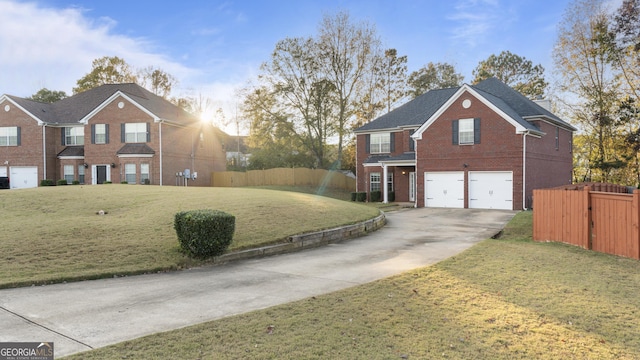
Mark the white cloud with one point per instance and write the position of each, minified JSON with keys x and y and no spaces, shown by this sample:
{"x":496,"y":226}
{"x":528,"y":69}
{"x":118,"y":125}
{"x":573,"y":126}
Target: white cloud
{"x":53,"y":48}
{"x":474,"y":19}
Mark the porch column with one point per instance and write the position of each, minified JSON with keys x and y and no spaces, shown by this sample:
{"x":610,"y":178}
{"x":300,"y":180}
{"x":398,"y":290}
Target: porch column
{"x":385,"y":186}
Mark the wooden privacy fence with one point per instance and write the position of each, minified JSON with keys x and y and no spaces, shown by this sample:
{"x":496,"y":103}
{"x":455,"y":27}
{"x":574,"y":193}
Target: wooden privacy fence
{"x":284,"y":176}
{"x":602,"y":221}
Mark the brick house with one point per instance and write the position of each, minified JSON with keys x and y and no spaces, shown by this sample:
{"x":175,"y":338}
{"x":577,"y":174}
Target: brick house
{"x":116,"y":132}
{"x":474,"y":146}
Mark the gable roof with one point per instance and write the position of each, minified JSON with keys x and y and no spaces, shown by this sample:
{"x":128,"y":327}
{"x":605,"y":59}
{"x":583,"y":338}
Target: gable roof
{"x":515,"y":106}
{"x":74,"y":109}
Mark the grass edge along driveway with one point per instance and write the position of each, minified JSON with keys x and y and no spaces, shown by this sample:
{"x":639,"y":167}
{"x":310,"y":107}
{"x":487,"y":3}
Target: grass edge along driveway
{"x":509,"y":298}
{"x":54,"y":234}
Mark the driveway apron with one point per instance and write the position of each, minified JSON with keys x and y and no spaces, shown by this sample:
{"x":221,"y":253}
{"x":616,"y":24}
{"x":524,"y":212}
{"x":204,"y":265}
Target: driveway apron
{"x":86,"y":315}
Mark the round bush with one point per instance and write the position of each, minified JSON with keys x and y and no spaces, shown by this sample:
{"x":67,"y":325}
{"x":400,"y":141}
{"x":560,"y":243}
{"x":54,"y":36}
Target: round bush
{"x":204,"y":233}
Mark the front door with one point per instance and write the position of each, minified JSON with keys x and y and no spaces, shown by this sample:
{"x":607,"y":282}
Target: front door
{"x":101,"y":174}
{"x":412,"y":186}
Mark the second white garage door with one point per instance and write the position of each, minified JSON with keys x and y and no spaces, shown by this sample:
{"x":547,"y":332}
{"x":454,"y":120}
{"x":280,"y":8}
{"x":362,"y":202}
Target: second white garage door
{"x":491,"y":190}
{"x":23,"y":177}
{"x":444,"y":189}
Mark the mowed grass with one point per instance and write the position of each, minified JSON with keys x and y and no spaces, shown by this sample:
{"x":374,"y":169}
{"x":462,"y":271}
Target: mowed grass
{"x":52,"y":234}
{"x":509,"y":298}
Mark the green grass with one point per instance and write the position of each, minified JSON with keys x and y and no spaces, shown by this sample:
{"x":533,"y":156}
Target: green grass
{"x":53,"y":234}
{"x":509,"y":298}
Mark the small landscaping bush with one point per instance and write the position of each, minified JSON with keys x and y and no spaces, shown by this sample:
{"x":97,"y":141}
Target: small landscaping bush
{"x":376,"y":196}
{"x":204,"y":233}
{"x":361,"y":196}
{"x":392,"y":196}
{"x":107,"y":182}
{"x":75,"y":182}
{"x":124,"y":182}
{"x":47,"y":182}
{"x":62,"y":182}
{"x":353,"y":196}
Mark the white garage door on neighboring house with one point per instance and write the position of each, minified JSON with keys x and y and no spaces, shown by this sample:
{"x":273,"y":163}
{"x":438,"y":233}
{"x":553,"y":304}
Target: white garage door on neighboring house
{"x":23,"y":177}
{"x":444,"y":189}
{"x":491,"y":190}
{"x":3,"y":171}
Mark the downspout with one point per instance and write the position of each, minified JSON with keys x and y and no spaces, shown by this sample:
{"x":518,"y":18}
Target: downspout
{"x":524,"y":169}
{"x":160,"y":133}
{"x":415,"y":182}
{"x":385,"y":186}
{"x":44,"y":151}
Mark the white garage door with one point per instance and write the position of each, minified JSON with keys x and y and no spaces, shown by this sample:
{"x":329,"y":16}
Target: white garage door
{"x":444,"y":189}
{"x":491,"y":190}
{"x":23,"y":177}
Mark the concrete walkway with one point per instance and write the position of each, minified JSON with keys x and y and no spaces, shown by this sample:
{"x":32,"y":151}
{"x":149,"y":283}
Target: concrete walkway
{"x":90,"y":314}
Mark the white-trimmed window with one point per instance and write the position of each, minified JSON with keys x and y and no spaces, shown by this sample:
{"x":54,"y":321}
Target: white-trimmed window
{"x":74,"y":135}
{"x":135,"y":132}
{"x":144,"y":173}
{"x":130,"y":173}
{"x":81,"y":174}
{"x":68,"y":173}
{"x":374,"y":181}
{"x":380,"y":143}
{"x":465,"y":131}
{"x":9,"y":136}
{"x":100,"y":134}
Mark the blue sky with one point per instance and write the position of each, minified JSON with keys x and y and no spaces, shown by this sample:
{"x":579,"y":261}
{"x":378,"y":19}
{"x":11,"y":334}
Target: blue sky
{"x":213,"y":47}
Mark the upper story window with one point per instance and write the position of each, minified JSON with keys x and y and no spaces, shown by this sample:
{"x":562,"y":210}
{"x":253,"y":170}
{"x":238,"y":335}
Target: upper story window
{"x":100,"y":134}
{"x":135,"y":132}
{"x":9,"y":136}
{"x":466,"y":131}
{"x":380,"y":143}
{"x":74,"y":135}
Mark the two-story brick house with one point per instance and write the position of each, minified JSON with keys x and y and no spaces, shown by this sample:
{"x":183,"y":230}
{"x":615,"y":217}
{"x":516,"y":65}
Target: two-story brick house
{"x":118,"y":132}
{"x":474,"y":146}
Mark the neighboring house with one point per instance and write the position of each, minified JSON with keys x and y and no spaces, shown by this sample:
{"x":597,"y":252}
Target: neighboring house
{"x":118,"y":132}
{"x":475,"y":146}
{"x":237,"y":151}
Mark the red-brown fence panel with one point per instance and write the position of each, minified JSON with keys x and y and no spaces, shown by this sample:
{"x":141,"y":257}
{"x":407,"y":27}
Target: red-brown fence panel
{"x":562,"y":216}
{"x":615,"y":227}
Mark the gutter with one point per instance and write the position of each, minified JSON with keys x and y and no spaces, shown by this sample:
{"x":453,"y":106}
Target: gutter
{"x":524,"y":169}
{"x":44,"y":151}
{"x":160,"y":134}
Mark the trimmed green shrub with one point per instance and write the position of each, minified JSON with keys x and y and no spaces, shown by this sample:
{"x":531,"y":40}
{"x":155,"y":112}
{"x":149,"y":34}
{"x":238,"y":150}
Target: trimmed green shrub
{"x":391,"y":196}
{"x":204,"y":233}
{"x":47,"y":182}
{"x":107,"y":182}
{"x":376,"y":196}
{"x":353,"y":196}
{"x":75,"y":182}
{"x":361,"y":196}
{"x":124,"y":182}
{"x":62,"y":182}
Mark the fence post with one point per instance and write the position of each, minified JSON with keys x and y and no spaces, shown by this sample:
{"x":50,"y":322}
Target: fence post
{"x":635,"y":220}
{"x":588,"y":215}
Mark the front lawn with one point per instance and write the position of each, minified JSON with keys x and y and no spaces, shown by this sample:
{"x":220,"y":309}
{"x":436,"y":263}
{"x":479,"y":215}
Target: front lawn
{"x":509,"y":298}
{"x":52,"y":234}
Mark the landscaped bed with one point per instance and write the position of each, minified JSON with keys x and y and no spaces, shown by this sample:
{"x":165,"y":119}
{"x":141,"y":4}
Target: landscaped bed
{"x":509,"y":298}
{"x":53,"y":234}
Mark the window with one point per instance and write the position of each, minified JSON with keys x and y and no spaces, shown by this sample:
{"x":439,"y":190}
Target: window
{"x":465,"y":131}
{"x":380,"y":143}
{"x":144,"y":173}
{"x":100,"y":134}
{"x":81,"y":174}
{"x":9,"y":136}
{"x":390,"y":182}
{"x":73,"y":136}
{"x":374,"y":181}
{"x":135,"y":132}
{"x":130,"y":173}
{"x":68,"y":173}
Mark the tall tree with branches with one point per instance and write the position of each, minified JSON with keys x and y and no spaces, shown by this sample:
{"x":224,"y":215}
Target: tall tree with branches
{"x":433,"y":76}
{"x":513,"y":70}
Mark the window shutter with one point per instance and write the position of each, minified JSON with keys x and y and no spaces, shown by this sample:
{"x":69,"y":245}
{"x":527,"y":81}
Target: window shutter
{"x":454,"y":132}
{"x":93,"y":133}
{"x":392,"y":142}
{"x":19,"y":131}
{"x":476,"y":131}
{"x":412,"y":143}
{"x":367,"y":143}
{"x":148,"y":132}
{"x":106,"y":133}
{"x":122,"y":137}
{"x":62,"y":133}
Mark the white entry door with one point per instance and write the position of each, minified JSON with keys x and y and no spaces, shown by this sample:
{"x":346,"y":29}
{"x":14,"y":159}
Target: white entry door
{"x":444,"y":189}
{"x":491,"y":190}
{"x":23,"y":177}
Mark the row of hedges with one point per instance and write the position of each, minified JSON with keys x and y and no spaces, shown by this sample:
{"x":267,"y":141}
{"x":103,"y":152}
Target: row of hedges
{"x":376,"y":196}
{"x":49,"y":182}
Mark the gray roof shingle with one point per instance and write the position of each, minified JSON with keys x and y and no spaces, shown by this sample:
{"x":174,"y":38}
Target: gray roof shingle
{"x":420,"y":109}
{"x":135,"y":149}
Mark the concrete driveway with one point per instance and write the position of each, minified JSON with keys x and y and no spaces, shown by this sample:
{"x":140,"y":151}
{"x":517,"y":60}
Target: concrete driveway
{"x":90,"y":314}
